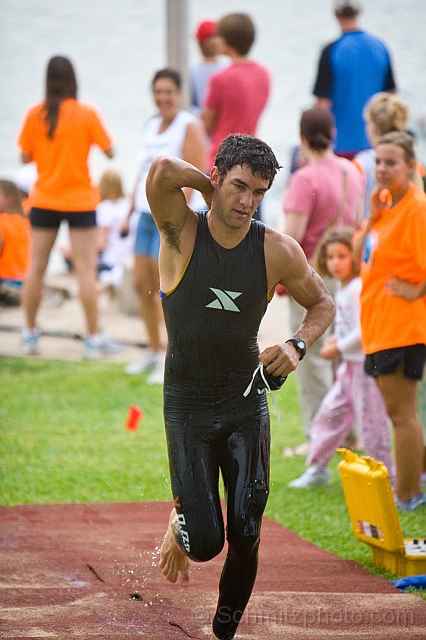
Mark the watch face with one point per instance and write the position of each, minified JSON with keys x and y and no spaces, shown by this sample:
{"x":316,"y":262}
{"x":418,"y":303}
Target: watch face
{"x":300,"y":345}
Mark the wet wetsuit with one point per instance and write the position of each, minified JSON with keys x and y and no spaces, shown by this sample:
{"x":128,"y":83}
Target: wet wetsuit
{"x":212,"y":318}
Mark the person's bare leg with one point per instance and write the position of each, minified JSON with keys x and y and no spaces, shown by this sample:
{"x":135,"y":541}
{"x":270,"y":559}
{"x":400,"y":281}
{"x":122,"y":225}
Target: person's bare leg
{"x":172,"y":560}
{"x":147,"y":283}
{"x":42,"y":242}
{"x":84,"y":243}
{"x":400,"y":396}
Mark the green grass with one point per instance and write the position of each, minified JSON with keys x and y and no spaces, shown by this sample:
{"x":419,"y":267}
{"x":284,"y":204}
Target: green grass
{"x":63,"y":437}
{"x":62,"y":440}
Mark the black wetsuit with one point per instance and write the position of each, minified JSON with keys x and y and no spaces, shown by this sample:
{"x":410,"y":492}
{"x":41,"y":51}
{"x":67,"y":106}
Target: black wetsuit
{"x":212,"y":319}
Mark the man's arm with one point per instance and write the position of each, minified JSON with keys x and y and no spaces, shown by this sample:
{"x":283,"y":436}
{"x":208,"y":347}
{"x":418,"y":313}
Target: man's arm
{"x":166,"y":179}
{"x":287,"y":265}
{"x":176,"y":222}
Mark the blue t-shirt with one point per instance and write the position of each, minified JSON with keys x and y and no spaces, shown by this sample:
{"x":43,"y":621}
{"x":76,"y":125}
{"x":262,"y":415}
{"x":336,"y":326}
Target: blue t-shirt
{"x":350,"y":71}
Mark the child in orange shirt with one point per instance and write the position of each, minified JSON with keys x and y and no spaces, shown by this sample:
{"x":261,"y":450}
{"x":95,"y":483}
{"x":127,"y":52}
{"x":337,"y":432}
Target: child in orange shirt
{"x":15,"y":243}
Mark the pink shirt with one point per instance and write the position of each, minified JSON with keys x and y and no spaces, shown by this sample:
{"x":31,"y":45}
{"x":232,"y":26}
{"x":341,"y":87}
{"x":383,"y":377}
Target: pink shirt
{"x":316,"y":191}
{"x":238,"y":94}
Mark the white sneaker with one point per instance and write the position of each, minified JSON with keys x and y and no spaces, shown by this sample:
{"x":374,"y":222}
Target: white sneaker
{"x":100,"y":345}
{"x":157,"y":374}
{"x":146,"y":363}
{"x":413,"y":503}
{"x":29,"y":342}
{"x":313,"y":477}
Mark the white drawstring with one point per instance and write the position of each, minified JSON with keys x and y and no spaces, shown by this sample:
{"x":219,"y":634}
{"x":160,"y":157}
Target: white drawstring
{"x":260,"y":391}
{"x":247,"y":391}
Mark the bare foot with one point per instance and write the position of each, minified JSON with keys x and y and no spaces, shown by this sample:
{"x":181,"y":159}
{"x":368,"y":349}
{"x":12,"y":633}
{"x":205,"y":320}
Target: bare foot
{"x":172,"y":560}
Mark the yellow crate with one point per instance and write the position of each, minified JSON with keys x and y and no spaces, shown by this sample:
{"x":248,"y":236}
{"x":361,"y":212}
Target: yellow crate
{"x":374,"y":517}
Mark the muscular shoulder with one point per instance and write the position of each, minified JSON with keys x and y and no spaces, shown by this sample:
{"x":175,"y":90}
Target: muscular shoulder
{"x":279,"y":245}
{"x":283,"y":255}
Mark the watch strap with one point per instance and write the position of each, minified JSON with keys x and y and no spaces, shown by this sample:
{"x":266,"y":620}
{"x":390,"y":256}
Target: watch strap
{"x":296,"y":343}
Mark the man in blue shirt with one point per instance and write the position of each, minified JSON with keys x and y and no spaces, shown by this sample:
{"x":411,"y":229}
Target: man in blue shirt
{"x":350,"y":71}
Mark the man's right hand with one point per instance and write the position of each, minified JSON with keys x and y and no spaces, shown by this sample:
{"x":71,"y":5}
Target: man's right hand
{"x":280,"y":359}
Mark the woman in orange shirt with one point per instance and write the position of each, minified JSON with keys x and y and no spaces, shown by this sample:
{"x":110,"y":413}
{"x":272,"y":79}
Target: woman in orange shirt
{"x":393,"y":313}
{"x":57,"y":135}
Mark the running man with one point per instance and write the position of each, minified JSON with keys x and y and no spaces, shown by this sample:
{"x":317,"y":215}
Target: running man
{"x":218,"y":270}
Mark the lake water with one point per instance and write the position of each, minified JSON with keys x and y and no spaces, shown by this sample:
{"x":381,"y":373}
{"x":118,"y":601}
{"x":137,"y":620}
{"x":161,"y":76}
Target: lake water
{"x":117,"y":45}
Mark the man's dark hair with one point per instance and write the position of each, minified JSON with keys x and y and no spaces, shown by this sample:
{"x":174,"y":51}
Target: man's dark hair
{"x":237,"y":29}
{"x":347,"y":8}
{"x":61,"y":83}
{"x":170,"y":74}
{"x":243,"y":150}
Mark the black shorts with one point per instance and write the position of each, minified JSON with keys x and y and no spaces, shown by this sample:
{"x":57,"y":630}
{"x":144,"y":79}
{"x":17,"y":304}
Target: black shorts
{"x":51,"y":219}
{"x":412,"y":358}
{"x":204,"y":436}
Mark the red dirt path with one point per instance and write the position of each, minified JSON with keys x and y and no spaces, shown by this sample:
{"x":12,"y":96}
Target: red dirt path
{"x":68,"y":571}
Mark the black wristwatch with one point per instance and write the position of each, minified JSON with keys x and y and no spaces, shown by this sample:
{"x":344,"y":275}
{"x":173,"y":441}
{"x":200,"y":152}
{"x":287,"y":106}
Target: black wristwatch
{"x":299,"y":345}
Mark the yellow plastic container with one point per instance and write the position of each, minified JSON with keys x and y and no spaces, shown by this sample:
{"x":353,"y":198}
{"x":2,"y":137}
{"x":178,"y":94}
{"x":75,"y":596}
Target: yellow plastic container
{"x":374,"y":517}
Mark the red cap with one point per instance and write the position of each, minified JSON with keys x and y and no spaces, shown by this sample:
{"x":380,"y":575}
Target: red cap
{"x":205,"y":30}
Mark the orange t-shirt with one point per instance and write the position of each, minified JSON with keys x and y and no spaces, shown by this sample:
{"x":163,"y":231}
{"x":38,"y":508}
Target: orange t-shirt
{"x":63,"y":176}
{"x":16,"y":240}
{"x":395,"y":245}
